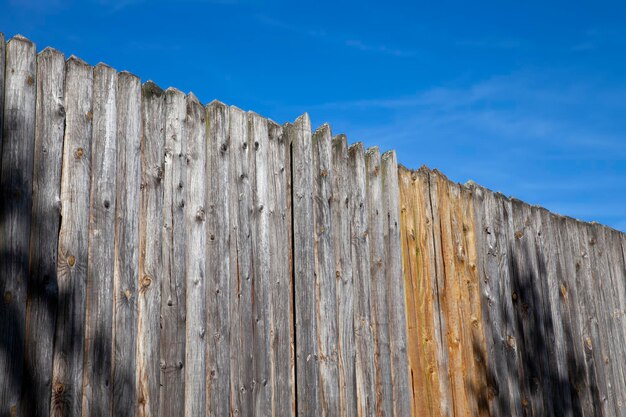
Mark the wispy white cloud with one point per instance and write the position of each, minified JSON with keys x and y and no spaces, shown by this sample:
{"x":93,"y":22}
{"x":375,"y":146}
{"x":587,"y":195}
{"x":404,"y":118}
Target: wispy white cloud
{"x":492,"y":43}
{"x":336,"y":39}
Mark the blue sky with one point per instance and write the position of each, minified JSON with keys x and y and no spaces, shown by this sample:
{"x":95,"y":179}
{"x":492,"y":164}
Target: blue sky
{"x":527,"y":98}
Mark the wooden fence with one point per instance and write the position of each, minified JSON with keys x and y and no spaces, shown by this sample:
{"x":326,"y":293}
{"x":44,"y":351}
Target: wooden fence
{"x":159,"y":257}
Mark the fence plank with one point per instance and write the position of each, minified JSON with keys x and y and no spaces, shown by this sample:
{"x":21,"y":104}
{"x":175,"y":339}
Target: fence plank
{"x":421,"y":390}
{"x":195,"y":269}
{"x":99,"y":318}
{"x":307,"y":365}
{"x":448,"y":387}
{"x":496,"y":400}
{"x":570,"y":314}
{"x":126,"y":244}
{"x":378,"y":294}
{"x":400,"y":381}
{"x":150,"y":249}
{"x":326,"y":301}
{"x":365,"y":371}
{"x":16,"y":184}
{"x":281,"y":321}
{"x":289,"y":224}
{"x":341,"y":209}
{"x":241,"y":319}
{"x":548,"y":254}
{"x":73,"y":241}
{"x":616,"y":289}
{"x":46,"y":219}
{"x":172,"y":336}
{"x":595,"y":345}
{"x":602,"y":301}
{"x":218,"y":194}
{"x":261,"y":310}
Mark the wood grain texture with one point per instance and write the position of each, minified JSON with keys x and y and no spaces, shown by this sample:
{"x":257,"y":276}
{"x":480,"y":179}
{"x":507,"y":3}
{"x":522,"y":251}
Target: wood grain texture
{"x":16,"y":184}
{"x":72,"y":270}
{"x":400,"y":377}
{"x":172,"y":334}
{"x":603,"y":341}
{"x":219,"y":277}
{"x":325,"y":279}
{"x":616,"y":290}
{"x":281,"y":321}
{"x":126,"y":278}
{"x":341,"y":209}
{"x":378,"y":290}
{"x":307,"y":365}
{"x":365,"y":371}
{"x":195,"y":264}
{"x":449,"y":389}
{"x":97,"y":373}
{"x":241,"y":319}
{"x":261,"y":308}
{"x":421,"y":389}
{"x":150,"y":249}
{"x":595,"y":345}
{"x":578,"y":372}
{"x":548,"y":254}
{"x":46,"y":219}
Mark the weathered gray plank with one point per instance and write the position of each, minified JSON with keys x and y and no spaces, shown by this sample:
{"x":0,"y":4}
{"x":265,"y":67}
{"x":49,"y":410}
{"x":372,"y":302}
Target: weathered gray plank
{"x":609,"y":306}
{"x":218,"y":195}
{"x":46,"y":219}
{"x":492,"y":214}
{"x":195,"y":269}
{"x":577,"y":291}
{"x":172,"y":338}
{"x":569,"y":303}
{"x":261,"y":309}
{"x":378,"y":297}
{"x":617,"y":290}
{"x":16,"y":183}
{"x":99,"y":317}
{"x":281,"y":322}
{"x":400,"y":382}
{"x":595,"y":344}
{"x":341,"y":210}
{"x":307,"y":366}
{"x":126,"y":276}
{"x":547,"y":258}
{"x":326,"y":298}
{"x":150,"y":249}
{"x":241,"y":319}
{"x":365,"y":372}
{"x":73,"y":241}
{"x":603,"y":306}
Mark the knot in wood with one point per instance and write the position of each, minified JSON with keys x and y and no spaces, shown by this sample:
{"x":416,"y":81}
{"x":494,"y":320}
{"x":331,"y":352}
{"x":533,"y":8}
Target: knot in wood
{"x":146,"y":281}
{"x":30,"y":80}
{"x":200,"y":214}
{"x":71,"y":260}
{"x":519,"y":234}
{"x":78,"y":153}
{"x":58,"y":388}
{"x":89,"y":116}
